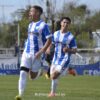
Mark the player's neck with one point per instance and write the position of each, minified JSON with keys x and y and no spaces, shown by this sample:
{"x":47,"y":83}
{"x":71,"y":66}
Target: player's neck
{"x":36,"y":19}
{"x":64,"y":30}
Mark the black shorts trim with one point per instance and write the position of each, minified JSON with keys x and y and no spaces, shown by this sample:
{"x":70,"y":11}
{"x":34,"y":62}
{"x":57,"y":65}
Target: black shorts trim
{"x":25,"y":69}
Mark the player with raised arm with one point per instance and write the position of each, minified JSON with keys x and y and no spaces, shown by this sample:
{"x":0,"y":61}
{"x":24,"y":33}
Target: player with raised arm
{"x":39,"y":38}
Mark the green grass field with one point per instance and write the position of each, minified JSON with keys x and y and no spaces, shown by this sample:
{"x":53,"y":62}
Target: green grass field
{"x":70,"y":88}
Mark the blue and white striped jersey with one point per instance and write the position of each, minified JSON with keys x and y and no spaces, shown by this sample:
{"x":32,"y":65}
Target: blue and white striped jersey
{"x":62,"y":40}
{"x":38,"y":33}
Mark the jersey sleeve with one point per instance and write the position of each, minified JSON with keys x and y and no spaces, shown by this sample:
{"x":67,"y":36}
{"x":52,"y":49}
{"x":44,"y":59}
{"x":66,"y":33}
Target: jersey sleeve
{"x":46,"y":32}
{"x":73,"y":43}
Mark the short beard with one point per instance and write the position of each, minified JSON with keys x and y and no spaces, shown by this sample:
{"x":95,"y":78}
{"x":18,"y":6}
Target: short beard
{"x":30,"y":18}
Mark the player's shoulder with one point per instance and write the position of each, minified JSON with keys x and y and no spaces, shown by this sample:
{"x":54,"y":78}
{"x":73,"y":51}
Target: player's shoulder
{"x":70,"y":36}
{"x":43,"y":24}
{"x":70,"y":33}
{"x":30,"y":24}
{"x":56,"y":32}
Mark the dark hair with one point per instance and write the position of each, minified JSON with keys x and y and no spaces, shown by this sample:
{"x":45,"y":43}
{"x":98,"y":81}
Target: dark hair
{"x":38,"y":8}
{"x":67,"y":18}
{"x":58,"y":26}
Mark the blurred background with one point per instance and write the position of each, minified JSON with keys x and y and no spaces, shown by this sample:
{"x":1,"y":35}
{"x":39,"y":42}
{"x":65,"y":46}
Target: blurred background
{"x":85,"y":16}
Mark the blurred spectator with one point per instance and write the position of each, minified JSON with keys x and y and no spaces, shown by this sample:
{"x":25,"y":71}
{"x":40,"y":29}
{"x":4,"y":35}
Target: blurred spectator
{"x":16,"y":49}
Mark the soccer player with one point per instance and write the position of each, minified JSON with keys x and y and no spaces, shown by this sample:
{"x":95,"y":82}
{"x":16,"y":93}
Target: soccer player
{"x":49,"y":57}
{"x":65,"y":45}
{"x":39,"y":38}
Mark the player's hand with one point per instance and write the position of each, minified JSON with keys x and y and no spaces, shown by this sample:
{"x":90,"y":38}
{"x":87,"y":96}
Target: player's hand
{"x":47,"y":51}
{"x":37,"y":55}
{"x":65,"y":49}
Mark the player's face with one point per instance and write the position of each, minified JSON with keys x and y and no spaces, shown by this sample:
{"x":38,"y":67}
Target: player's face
{"x":64,"y":24}
{"x":33,"y":14}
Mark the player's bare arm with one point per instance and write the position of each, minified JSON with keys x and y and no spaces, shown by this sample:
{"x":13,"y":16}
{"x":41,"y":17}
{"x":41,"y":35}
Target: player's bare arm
{"x":70,"y":50}
{"x":42,"y":50}
{"x":48,"y":49}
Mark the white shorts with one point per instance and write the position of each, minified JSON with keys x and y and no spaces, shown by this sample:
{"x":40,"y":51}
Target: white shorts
{"x":57,"y":68}
{"x":29,"y":62}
